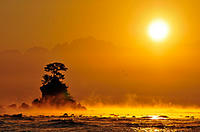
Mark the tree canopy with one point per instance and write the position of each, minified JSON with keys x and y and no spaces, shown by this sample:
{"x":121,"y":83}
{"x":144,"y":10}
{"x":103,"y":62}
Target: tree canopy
{"x":54,"y":71}
{"x":54,"y":90}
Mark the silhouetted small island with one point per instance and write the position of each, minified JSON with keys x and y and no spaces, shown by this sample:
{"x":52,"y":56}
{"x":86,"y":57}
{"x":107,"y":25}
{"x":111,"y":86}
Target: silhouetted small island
{"x":54,"y":91}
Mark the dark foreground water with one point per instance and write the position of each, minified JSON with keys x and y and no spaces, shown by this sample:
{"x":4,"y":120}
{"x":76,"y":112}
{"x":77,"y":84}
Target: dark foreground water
{"x":98,"y":124}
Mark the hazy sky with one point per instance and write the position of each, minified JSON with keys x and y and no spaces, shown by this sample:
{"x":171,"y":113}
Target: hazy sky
{"x":105,"y":45}
{"x":26,"y":23}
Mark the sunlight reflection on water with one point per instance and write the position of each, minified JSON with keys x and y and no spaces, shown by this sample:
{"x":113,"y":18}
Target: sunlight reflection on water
{"x":105,"y":119}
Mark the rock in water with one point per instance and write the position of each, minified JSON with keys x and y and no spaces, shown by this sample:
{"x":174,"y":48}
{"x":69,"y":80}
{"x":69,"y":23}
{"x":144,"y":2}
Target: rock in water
{"x":54,"y":91}
{"x":24,"y":106}
{"x":17,"y":115}
{"x":13,"y":106}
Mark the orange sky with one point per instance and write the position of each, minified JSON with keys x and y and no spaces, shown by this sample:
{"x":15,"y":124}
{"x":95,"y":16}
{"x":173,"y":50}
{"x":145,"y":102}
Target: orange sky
{"x":119,"y":63}
{"x":48,"y":22}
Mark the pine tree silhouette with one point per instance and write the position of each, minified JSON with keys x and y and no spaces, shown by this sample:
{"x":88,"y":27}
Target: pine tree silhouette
{"x":54,"y":90}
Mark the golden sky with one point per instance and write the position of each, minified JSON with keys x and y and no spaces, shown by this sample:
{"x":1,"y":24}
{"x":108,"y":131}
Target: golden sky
{"x":105,"y":44}
{"x":48,"y":22}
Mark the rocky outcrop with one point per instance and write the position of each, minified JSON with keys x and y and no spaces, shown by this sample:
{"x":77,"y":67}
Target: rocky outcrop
{"x":54,"y":91}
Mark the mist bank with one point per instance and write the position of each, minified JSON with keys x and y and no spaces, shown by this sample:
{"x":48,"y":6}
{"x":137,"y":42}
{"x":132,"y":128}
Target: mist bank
{"x":101,"y":72}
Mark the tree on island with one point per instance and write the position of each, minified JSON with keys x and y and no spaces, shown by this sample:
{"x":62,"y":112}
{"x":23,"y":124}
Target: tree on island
{"x":54,"y":91}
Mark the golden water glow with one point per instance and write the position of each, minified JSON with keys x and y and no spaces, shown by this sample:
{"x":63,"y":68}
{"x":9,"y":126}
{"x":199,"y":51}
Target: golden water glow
{"x":154,"y":113}
{"x":158,"y":30}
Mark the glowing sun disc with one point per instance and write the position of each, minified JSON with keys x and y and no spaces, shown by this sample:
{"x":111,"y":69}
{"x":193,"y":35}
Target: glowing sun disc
{"x":158,"y":30}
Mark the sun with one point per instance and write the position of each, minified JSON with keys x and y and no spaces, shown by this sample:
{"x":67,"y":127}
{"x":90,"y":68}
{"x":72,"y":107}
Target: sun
{"x":158,"y":30}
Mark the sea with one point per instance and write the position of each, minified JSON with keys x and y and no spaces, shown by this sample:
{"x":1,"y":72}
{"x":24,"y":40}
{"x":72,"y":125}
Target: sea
{"x":108,"y":120}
